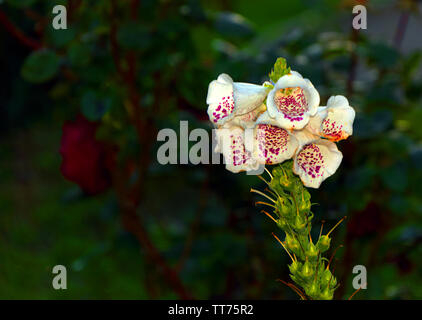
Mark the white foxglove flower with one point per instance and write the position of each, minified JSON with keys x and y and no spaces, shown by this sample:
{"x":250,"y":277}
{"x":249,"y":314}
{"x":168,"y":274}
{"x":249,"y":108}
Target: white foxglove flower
{"x":335,"y":121}
{"x":316,"y":160}
{"x":292,"y":101}
{"x":227,"y":99}
{"x":231,"y":143}
{"x":247,"y":120}
{"x":272,"y":144}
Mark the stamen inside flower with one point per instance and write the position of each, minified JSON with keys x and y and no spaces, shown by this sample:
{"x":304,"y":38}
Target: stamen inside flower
{"x":311,"y":161}
{"x":291,"y":102}
{"x":225,"y":107}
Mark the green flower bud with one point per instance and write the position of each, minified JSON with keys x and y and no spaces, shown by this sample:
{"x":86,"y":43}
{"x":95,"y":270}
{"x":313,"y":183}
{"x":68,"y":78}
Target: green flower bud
{"x":295,"y":266}
{"x":333,"y":282}
{"x":307,"y":271}
{"x":300,"y":224}
{"x":284,"y":207}
{"x":312,"y":252}
{"x":313,"y":290}
{"x":324,"y":243}
{"x":282,"y":224}
{"x":292,"y":243}
{"x":277,"y":172}
{"x":304,"y":207}
{"x":327,"y":294}
{"x":326,"y":276}
{"x":286,"y":183}
{"x":304,"y":204}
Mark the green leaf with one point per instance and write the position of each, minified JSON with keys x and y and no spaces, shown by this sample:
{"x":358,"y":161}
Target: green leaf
{"x":280,"y":69}
{"x":40,"y":66}
{"x":94,"y":107}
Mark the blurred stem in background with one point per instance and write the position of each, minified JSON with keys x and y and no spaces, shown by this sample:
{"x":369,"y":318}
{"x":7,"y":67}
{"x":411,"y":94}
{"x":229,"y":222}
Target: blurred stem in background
{"x":130,"y":192}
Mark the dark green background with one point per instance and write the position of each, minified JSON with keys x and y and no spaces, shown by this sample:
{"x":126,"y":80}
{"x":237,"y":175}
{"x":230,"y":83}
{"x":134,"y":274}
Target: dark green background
{"x":180,"y":46}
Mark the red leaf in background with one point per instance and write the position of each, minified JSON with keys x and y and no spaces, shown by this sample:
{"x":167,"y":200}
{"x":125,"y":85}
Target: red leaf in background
{"x":85,"y":160}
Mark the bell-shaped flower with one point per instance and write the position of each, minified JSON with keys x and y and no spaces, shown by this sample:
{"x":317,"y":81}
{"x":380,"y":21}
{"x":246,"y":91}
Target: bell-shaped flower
{"x":272,"y":144}
{"x":316,"y":159}
{"x":227,"y":99}
{"x":292,"y":101}
{"x":247,"y":120}
{"x":231,"y":143}
{"x":335,"y":121}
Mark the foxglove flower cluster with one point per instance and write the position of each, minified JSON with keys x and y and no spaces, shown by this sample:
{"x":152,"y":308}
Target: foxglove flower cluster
{"x":279,"y":120}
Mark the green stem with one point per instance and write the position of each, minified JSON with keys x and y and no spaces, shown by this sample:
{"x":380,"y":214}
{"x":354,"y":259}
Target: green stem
{"x":292,"y":208}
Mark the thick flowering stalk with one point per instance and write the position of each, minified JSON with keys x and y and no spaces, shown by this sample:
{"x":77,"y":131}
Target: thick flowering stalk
{"x":281,"y":123}
{"x":291,"y":204}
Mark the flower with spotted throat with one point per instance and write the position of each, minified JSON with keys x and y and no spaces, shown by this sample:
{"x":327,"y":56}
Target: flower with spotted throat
{"x":318,"y":158}
{"x":286,"y":122}
{"x":227,"y":99}
{"x":231,"y":142}
{"x":335,"y":121}
{"x":292,"y":101}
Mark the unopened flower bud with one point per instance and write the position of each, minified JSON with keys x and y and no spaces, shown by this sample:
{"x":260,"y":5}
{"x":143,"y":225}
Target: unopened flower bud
{"x":295,"y":266}
{"x":333,"y":282}
{"x":284,"y":207}
{"x":304,"y":204}
{"x":286,"y":183}
{"x":324,"y":243}
{"x":300,"y":223}
{"x":292,"y":243}
{"x":312,"y":252}
{"x":307,"y":271}
{"x":313,"y":290}
{"x":282,"y":223}
{"x":327,"y":294}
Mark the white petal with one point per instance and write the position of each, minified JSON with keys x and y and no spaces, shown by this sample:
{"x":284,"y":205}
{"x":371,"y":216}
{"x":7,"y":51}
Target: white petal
{"x":315,"y":122}
{"x":247,"y":120}
{"x":219,"y":88}
{"x":248,"y":97}
{"x":304,"y":137}
{"x":225,"y":78}
{"x":273,"y":144}
{"x":265,"y":118}
{"x":337,"y":101}
{"x":226,"y":99}
{"x":296,"y":73}
{"x":338,"y":123}
{"x":231,"y":142}
{"x":220,"y":101}
{"x":292,"y":101}
{"x":316,"y":161}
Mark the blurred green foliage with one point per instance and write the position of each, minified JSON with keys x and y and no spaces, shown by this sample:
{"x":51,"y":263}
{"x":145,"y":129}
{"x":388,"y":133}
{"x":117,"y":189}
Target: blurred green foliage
{"x":119,"y":59}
